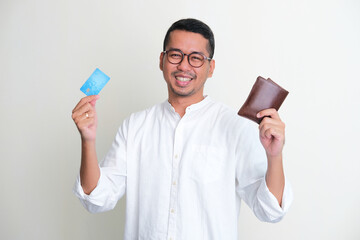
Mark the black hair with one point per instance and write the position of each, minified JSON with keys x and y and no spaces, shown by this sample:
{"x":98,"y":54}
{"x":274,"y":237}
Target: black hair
{"x":195,"y":26}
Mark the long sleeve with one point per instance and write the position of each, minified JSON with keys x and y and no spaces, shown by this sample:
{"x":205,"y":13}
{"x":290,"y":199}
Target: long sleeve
{"x":184,"y":178}
{"x":250,"y":179}
{"x":112,"y":182}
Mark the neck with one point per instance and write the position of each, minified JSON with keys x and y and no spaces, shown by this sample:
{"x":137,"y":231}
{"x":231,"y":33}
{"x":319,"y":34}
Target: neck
{"x":181,"y":103}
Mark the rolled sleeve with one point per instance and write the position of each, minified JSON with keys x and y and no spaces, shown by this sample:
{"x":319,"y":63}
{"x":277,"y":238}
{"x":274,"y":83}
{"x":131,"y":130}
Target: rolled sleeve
{"x":251,"y":184}
{"x":112,"y":182}
{"x":267,"y":208}
{"x":110,"y":188}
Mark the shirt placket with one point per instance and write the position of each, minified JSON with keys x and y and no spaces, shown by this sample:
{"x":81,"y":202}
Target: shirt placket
{"x":174,"y":181}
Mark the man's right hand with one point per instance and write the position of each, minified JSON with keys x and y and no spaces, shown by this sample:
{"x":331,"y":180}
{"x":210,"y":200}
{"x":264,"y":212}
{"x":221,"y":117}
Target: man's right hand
{"x":85,"y":118}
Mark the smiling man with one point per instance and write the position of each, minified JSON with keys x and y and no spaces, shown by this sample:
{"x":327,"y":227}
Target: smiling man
{"x":185,"y":164}
{"x":186,"y":74}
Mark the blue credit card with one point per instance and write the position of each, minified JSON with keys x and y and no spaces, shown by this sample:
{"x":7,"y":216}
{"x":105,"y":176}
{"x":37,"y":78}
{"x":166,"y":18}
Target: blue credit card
{"x":95,"y":83}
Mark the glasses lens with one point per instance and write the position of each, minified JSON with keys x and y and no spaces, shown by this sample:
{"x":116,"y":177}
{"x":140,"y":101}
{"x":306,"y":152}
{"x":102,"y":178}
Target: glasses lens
{"x":174,"y":56}
{"x":196,"y":59}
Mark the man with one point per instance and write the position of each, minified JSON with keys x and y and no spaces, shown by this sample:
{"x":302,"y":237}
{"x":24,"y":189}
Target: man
{"x":185,"y":164}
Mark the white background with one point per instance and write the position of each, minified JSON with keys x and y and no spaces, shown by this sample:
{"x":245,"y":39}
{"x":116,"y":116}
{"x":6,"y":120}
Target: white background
{"x":49,"y":48}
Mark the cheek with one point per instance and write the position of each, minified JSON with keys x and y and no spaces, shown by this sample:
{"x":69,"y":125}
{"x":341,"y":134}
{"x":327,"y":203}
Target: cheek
{"x":168,"y":69}
{"x":201,"y":73}
{"x":167,"y":72}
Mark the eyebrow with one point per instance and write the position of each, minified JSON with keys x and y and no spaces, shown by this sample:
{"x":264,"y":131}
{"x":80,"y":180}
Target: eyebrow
{"x":177,"y":49}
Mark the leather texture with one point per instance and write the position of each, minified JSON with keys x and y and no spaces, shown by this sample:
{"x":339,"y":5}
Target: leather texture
{"x":264,"y":94}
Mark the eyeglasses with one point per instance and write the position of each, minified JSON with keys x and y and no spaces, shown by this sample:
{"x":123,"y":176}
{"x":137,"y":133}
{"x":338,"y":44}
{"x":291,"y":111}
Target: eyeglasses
{"x":195,"y":59}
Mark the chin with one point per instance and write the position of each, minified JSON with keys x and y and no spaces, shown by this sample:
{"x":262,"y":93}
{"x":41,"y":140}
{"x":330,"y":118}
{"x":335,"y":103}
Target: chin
{"x":182,"y":93}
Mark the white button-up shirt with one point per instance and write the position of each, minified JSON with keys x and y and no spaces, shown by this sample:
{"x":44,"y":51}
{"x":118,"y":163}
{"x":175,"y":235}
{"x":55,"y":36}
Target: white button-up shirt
{"x":184,"y":178}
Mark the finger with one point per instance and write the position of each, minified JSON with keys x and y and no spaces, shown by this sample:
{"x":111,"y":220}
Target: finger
{"x":82,"y":110}
{"x":89,"y":114}
{"x":270,"y":112}
{"x":276,"y":122}
{"x":268,"y":134}
{"x":93,"y":102}
{"x":85,"y":123}
{"x":263,"y":129}
{"x":84,"y":117}
{"x":269,"y":130}
{"x":271,"y":133}
{"x":85,"y":100}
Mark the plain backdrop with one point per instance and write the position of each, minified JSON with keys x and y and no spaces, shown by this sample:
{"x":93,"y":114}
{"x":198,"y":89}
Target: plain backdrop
{"x":49,"y":48}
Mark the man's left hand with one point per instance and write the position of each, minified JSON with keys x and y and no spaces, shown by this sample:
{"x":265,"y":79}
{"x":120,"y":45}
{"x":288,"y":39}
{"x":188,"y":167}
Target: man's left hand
{"x":272,"y":132}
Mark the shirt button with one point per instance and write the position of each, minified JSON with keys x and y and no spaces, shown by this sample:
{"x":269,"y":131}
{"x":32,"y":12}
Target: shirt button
{"x":176,"y":156}
{"x":174,"y":183}
{"x":172,"y":211}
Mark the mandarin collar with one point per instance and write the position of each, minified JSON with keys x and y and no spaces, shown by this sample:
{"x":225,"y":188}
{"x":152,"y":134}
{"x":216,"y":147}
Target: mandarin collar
{"x":192,"y":107}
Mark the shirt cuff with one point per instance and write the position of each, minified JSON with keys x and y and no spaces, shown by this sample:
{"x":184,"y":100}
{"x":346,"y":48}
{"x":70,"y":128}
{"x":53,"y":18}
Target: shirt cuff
{"x":90,"y":198}
{"x":109,"y":189}
{"x":270,"y":204}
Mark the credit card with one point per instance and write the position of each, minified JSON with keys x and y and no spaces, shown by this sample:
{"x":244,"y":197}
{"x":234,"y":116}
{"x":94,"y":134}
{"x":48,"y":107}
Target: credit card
{"x":95,"y":83}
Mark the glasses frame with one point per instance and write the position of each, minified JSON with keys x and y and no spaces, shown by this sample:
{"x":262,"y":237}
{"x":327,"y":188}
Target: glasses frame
{"x":188,"y":57}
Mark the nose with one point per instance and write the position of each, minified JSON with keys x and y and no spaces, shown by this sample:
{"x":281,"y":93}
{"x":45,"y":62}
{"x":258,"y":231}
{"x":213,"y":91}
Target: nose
{"x":184,"y":65}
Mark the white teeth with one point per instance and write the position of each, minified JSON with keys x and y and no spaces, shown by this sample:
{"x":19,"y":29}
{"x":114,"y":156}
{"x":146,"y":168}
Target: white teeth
{"x":181,"y":79}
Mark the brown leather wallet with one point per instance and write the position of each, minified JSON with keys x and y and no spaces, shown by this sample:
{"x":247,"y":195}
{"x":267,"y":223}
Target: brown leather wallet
{"x":264,"y":94}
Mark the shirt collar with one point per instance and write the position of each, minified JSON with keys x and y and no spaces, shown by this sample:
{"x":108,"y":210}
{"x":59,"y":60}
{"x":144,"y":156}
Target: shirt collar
{"x":192,"y":107}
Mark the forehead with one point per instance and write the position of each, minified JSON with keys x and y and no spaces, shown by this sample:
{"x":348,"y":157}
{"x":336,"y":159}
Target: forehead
{"x":187,"y":41}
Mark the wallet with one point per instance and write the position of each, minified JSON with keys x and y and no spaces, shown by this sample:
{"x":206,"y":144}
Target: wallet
{"x":264,"y":94}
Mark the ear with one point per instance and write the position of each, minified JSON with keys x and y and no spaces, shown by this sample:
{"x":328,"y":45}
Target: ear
{"x":211,"y":68}
{"x":161,"y":61}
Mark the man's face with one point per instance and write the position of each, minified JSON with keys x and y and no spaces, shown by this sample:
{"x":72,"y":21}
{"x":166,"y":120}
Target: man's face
{"x":183,"y":80}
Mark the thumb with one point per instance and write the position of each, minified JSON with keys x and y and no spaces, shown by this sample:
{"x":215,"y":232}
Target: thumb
{"x":93,"y":102}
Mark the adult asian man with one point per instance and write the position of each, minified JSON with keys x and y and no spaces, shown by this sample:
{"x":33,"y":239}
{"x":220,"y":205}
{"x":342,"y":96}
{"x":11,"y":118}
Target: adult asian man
{"x":185,"y":164}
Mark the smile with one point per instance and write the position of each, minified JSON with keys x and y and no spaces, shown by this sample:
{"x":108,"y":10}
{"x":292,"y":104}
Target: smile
{"x":183,"y":79}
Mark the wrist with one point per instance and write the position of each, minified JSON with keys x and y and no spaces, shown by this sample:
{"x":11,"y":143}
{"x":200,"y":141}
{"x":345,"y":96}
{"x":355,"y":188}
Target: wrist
{"x":274,"y":159}
{"x":88,"y":143}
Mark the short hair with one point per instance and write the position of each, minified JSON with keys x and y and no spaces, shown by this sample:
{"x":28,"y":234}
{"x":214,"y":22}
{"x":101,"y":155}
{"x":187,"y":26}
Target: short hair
{"x":195,"y":26}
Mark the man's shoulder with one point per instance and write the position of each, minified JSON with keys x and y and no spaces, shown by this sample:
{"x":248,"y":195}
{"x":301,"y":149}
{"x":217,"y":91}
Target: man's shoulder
{"x":227,"y":111}
{"x":229,"y":118}
{"x":148,"y":112}
{"x":137,"y":120}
